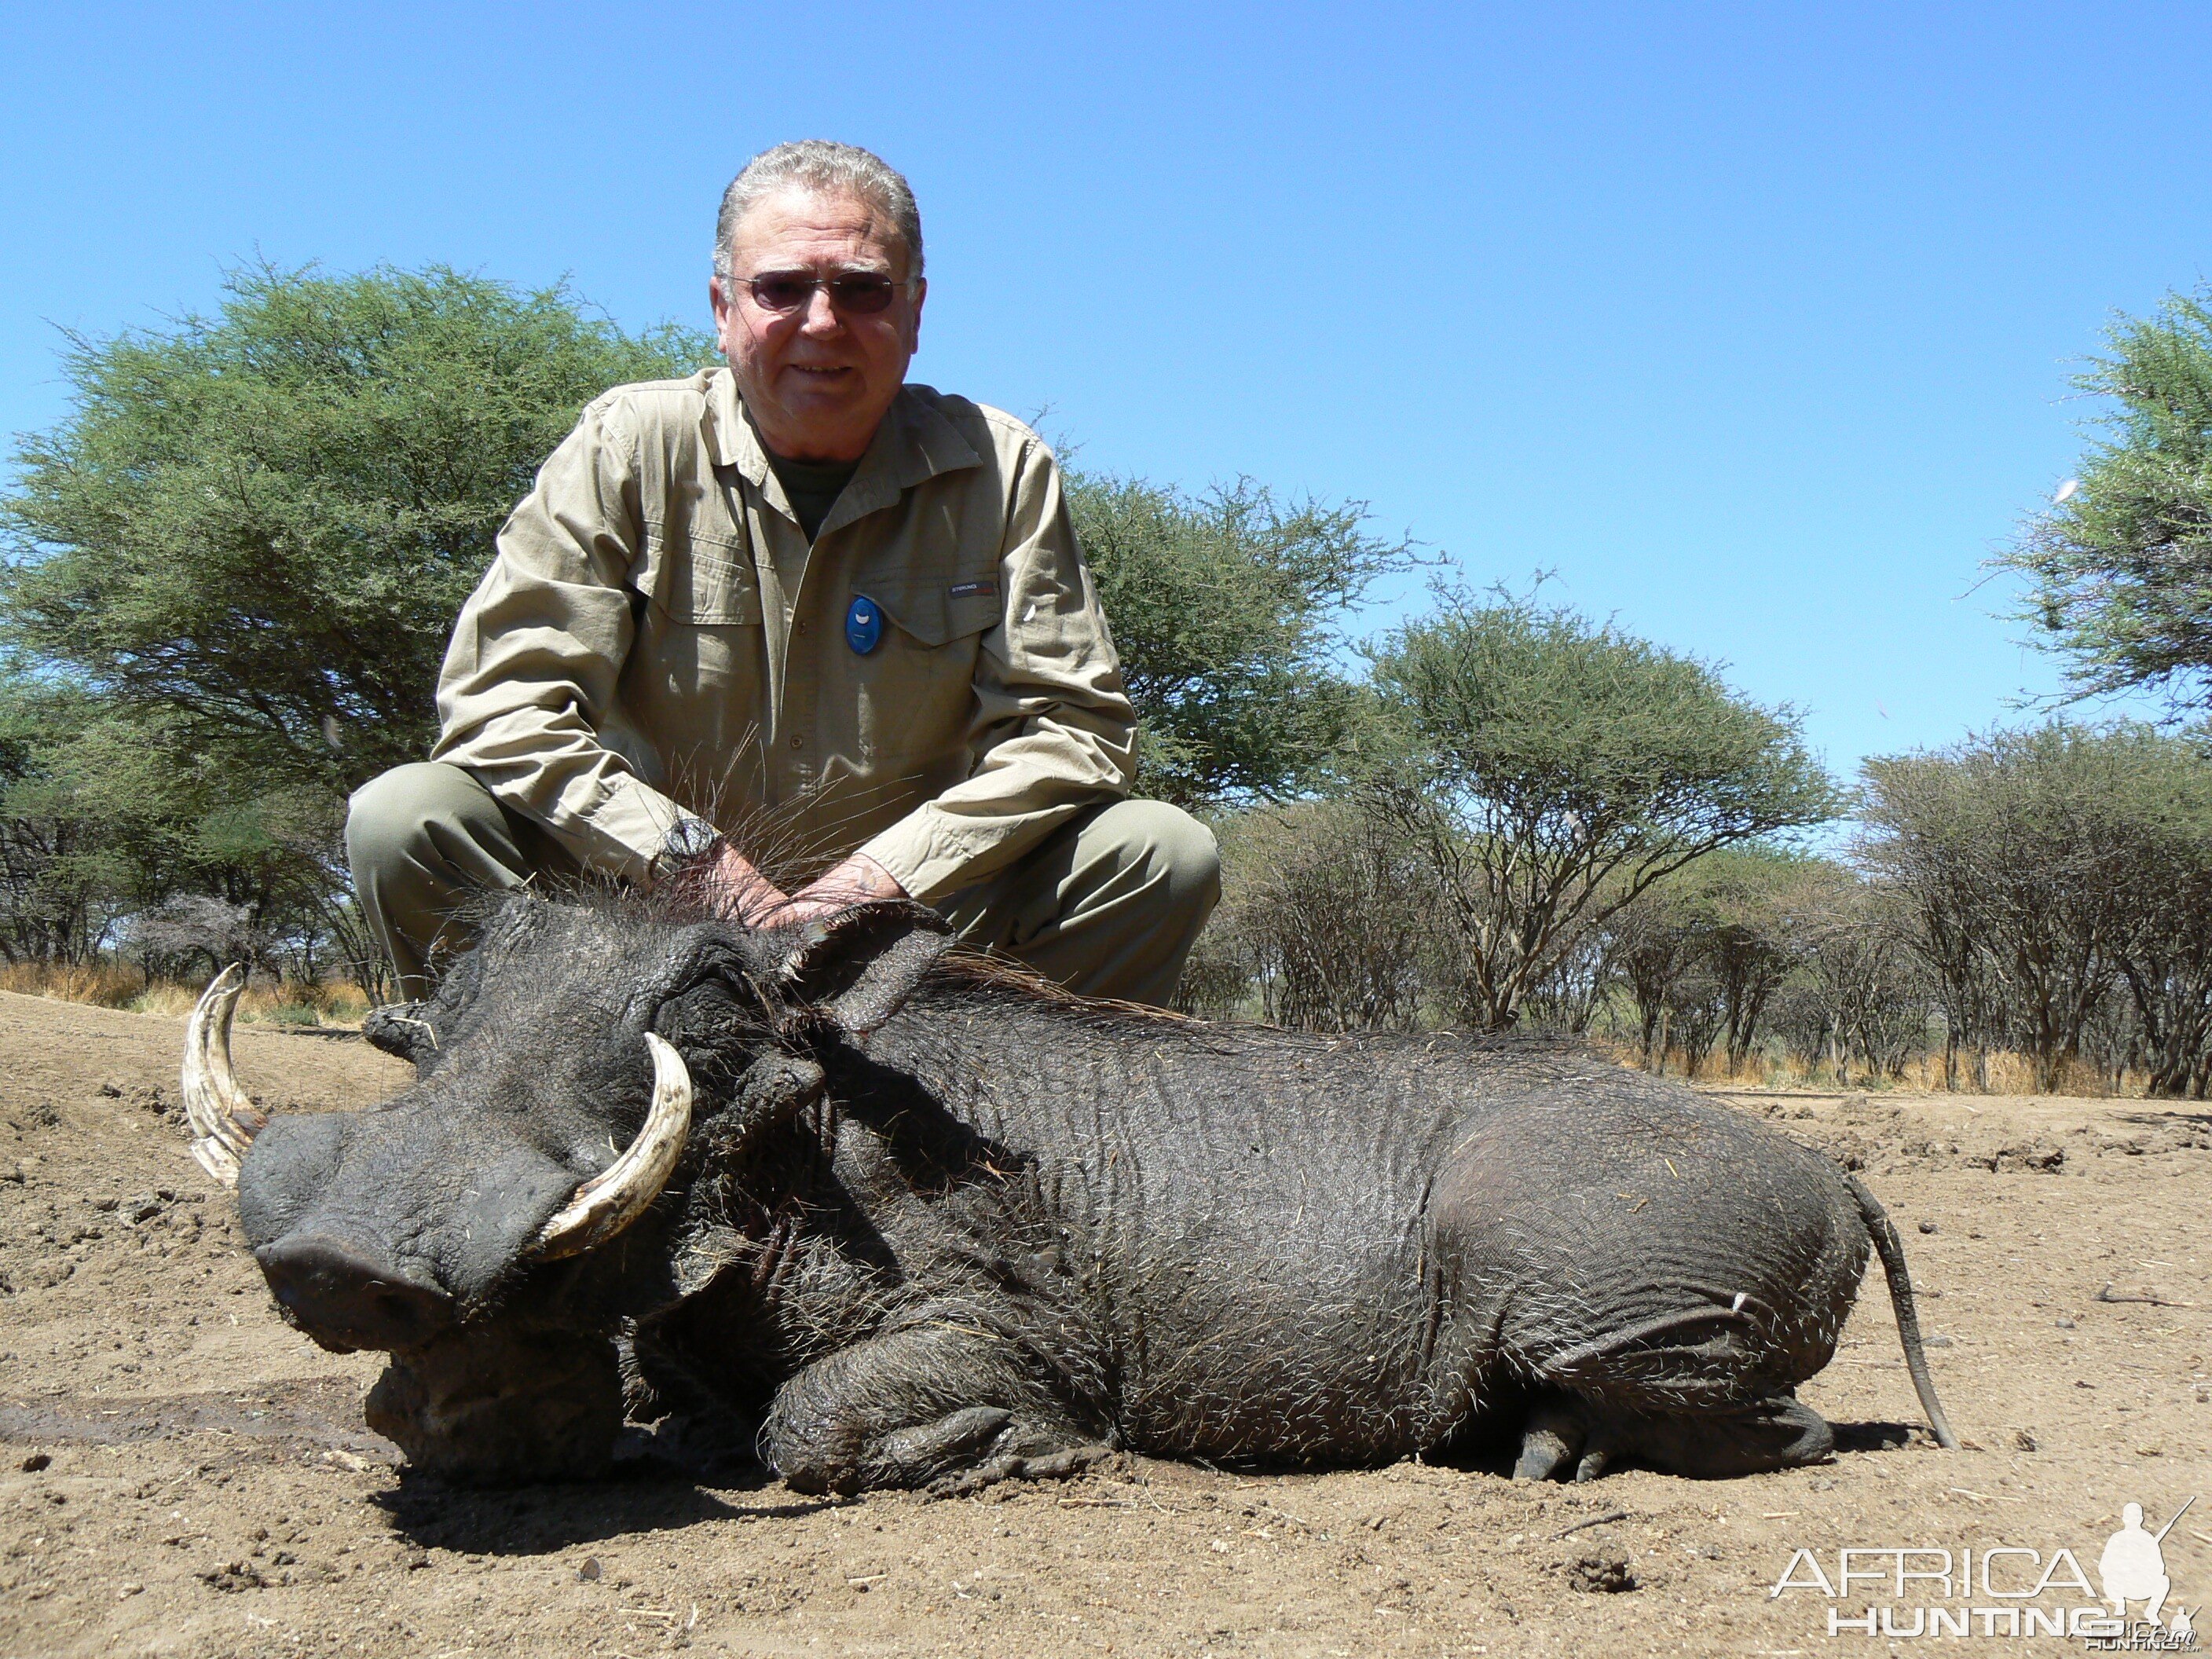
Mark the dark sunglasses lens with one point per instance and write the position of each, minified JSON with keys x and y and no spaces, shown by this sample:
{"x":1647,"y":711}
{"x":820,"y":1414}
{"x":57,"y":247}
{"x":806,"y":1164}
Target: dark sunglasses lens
{"x":782,"y":293}
{"x":863,"y":296}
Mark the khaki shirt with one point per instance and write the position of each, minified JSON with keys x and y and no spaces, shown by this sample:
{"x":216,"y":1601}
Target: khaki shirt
{"x":656,"y":640}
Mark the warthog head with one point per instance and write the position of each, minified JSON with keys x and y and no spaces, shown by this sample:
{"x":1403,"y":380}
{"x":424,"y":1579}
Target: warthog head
{"x":492,"y":1224}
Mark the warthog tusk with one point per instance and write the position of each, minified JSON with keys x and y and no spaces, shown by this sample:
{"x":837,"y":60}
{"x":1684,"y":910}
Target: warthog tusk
{"x":223,"y":1119}
{"x":625,"y":1189}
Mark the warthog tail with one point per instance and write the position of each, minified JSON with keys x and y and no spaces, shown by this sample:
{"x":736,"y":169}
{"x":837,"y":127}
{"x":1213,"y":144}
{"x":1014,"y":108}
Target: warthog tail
{"x":1890,"y":1249}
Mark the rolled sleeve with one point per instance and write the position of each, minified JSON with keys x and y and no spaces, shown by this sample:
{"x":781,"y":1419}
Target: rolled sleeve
{"x":1053,"y":731}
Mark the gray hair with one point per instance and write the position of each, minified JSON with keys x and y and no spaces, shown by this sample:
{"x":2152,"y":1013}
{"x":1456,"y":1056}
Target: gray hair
{"x":826,"y":169}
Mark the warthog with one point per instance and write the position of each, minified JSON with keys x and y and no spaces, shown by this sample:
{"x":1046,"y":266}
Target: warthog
{"x":921,"y":1221}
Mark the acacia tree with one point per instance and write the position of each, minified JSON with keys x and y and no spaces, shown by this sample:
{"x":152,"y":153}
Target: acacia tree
{"x":1321,"y":911}
{"x":2164,"y":949}
{"x":1703,"y":952}
{"x":1851,"y":937}
{"x":1551,"y":769}
{"x":2014,"y":849}
{"x":65,"y":875}
{"x":231,"y":570}
{"x":2122,"y":568}
{"x":1748,"y":894}
{"x":261,"y":524}
{"x":1655,"y":945}
{"x":1941,"y":887}
{"x":1228,"y":611}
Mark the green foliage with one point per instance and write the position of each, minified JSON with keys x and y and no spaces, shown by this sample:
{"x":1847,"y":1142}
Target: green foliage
{"x":2122,"y":568}
{"x":2048,"y":868}
{"x":1322,"y":915}
{"x":59,"y":861}
{"x":2044,"y":892}
{"x":2165,"y":951}
{"x":1552,"y":768}
{"x":261,"y":525}
{"x":1856,"y":990}
{"x":231,"y":574}
{"x":2000,"y":840}
{"x":104,"y":812}
{"x":1703,"y":951}
{"x":1227,"y":610}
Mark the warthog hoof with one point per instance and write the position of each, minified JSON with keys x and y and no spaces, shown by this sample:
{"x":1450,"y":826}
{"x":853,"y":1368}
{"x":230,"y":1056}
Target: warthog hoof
{"x":1567,"y":1438}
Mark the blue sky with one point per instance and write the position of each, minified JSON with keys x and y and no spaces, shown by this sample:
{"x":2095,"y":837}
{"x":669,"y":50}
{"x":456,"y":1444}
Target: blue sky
{"x":1752,"y":323}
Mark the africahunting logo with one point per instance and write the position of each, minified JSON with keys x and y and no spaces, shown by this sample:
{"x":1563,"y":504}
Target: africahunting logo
{"x":1898,"y":1592}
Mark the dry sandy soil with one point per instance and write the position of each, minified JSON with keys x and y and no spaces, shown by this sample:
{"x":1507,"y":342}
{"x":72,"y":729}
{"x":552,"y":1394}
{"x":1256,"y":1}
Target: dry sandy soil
{"x":179,"y":1473}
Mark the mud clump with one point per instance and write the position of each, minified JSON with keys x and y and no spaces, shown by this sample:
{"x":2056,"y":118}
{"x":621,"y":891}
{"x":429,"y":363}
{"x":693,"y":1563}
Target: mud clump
{"x":1601,"y":1575}
{"x":2042,"y":1156}
{"x":234,"y":1576}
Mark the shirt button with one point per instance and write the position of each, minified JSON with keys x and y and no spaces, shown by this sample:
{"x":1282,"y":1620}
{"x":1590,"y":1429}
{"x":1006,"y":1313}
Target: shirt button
{"x":797,"y":741}
{"x":800,"y":628}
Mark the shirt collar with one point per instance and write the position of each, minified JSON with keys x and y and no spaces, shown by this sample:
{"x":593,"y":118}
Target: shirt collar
{"x":915,"y":442}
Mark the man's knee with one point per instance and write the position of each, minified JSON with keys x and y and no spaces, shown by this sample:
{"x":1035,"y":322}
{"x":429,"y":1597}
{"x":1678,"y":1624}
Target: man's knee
{"x":1179,"y":853}
{"x":388,"y":817}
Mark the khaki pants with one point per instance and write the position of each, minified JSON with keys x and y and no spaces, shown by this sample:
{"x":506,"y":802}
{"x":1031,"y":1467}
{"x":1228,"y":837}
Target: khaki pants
{"x":1107,"y":905}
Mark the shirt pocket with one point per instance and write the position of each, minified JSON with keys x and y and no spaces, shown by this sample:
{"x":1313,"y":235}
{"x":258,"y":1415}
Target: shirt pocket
{"x":702,"y":581}
{"x":695,"y":672}
{"x":936,"y":612}
{"x":916,"y":692}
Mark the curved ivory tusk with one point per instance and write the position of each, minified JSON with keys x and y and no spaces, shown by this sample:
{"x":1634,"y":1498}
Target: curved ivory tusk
{"x":625,"y":1189}
{"x":223,"y":1118}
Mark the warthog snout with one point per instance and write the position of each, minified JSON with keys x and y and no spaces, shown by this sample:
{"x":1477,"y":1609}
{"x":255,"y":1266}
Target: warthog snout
{"x":349,"y":1300}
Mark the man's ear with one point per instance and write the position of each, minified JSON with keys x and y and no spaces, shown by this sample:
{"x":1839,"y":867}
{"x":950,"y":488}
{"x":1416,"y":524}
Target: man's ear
{"x":859,"y":966}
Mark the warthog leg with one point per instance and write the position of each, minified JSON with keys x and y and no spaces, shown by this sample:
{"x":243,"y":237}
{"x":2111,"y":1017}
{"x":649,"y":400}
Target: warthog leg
{"x":931,"y":1456}
{"x":942,"y":1403}
{"x":1551,"y":1439}
{"x":1052,"y":1465}
{"x":1569,"y":1438}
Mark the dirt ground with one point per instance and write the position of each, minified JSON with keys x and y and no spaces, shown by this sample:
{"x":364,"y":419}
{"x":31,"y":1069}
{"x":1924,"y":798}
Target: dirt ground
{"x":181,"y":1474}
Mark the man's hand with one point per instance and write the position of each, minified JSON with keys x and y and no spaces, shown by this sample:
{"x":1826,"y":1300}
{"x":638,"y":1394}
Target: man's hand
{"x":731,"y":886}
{"x":858,"y":880}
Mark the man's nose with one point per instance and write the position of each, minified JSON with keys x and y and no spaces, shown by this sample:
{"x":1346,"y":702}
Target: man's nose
{"x":345,"y":1299}
{"x":822,"y":316}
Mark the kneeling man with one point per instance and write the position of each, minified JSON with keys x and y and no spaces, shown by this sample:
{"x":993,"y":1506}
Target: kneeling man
{"x":797,"y":592}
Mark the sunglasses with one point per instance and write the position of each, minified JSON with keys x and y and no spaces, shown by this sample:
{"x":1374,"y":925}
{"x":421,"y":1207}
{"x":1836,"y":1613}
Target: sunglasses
{"x":859,"y":293}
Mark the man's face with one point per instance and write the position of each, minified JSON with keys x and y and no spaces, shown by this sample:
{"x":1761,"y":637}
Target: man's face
{"x":817,"y":378}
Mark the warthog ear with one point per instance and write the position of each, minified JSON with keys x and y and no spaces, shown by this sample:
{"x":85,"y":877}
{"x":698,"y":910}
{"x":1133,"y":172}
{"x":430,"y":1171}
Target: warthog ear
{"x":775,"y":1088}
{"x":860,"y":965}
{"x":400,"y":1030}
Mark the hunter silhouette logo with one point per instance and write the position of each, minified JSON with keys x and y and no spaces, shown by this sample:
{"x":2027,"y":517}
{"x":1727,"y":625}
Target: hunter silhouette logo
{"x":2133,"y":1566}
{"x":2005,"y":1590}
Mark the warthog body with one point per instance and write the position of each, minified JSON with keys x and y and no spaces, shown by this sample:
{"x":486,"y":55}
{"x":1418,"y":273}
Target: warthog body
{"x":933,"y":1225}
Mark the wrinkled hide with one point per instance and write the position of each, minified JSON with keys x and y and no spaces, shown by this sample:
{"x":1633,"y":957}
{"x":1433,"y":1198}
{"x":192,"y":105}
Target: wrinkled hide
{"x":935,"y":1224}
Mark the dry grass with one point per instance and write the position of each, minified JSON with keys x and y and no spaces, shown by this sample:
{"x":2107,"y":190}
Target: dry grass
{"x":291,"y":1003}
{"x":111,"y":986}
{"x":106,"y":986}
{"x":2008,"y":1074}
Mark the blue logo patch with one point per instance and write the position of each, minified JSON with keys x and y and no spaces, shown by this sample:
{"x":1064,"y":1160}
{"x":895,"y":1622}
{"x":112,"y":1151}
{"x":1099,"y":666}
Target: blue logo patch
{"x":863,"y":625}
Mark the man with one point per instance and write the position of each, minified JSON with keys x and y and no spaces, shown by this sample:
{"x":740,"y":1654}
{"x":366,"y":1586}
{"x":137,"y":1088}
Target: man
{"x":806,"y":601}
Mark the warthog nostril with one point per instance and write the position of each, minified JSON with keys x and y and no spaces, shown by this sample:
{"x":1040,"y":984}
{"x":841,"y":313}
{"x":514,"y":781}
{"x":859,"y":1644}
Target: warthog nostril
{"x":345,"y":1298}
